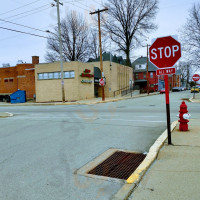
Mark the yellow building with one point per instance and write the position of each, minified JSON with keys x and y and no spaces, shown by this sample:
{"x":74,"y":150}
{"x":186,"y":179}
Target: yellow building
{"x":81,"y":80}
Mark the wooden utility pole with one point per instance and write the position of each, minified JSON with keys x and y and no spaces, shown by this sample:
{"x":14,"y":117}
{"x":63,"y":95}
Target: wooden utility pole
{"x":147,"y":69}
{"x":100,"y":48}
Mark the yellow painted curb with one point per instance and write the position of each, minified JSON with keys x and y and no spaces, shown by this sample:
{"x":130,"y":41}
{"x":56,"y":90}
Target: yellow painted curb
{"x":151,"y":156}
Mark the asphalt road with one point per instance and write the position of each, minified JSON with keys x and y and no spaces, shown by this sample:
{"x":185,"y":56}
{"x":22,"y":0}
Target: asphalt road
{"x":42,"y":146}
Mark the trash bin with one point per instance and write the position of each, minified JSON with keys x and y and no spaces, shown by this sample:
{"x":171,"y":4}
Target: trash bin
{"x":18,"y":97}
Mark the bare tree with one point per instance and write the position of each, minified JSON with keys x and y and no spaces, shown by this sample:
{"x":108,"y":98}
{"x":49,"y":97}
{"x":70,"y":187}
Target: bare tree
{"x":128,"y":21}
{"x":74,"y":34}
{"x":190,"y":35}
{"x":94,"y":43}
{"x":185,"y":71}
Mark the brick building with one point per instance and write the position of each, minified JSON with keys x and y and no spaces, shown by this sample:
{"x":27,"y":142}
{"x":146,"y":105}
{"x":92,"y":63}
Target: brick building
{"x":156,"y":83}
{"x":140,"y":74}
{"x":21,"y":76}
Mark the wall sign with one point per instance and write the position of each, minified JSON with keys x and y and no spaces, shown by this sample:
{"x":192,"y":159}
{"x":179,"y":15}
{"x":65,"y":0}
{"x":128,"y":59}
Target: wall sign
{"x":86,"y":81}
{"x":86,"y":73}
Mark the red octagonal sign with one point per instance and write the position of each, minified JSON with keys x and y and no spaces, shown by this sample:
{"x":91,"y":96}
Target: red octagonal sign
{"x":165,"y":52}
{"x":196,"y":77}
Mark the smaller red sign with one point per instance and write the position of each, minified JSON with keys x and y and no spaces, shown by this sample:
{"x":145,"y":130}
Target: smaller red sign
{"x":101,"y":82}
{"x":165,"y":71}
{"x":195,"y":77}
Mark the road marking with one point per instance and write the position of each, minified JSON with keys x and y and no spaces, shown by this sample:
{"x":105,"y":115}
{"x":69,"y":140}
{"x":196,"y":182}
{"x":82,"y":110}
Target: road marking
{"x":95,"y":118}
{"x":134,"y":120}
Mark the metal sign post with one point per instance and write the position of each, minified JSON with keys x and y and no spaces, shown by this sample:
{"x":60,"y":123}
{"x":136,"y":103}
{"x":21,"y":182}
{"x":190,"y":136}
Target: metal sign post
{"x":168,"y":109}
{"x":195,"y":78}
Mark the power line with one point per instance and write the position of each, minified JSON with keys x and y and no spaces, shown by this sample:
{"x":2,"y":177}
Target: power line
{"x":76,"y":5}
{"x":83,"y":5}
{"x":19,"y":7}
{"x":27,"y":11}
{"x":23,"y":32}
{"x":29,"y":14}
{"x":21,"y":25}
{"x":98,"y":3}
{"x":20,"y":34}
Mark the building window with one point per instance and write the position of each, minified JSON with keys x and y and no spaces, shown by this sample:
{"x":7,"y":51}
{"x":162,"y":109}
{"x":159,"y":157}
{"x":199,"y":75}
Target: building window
{"x":56,"y":75}
{"x":72,"y":74}
{"x":151,"y":75}
{"x":50,"y":75}
{"x":144,"y":74}
{"x":40,"y":76}
{"x":136,"y":76}
{"x":152,"y":85}
{"x":45,"y":75}
{"x":11,"y":80}
{"x":66,"y":74}
{"x":6,"y":80}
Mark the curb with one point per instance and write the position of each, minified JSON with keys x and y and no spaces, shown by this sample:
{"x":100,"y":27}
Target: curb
{"x":135,"y":178}
{"x":6,"y":114}
{"x":79,"y":103}
{"x":191,"y":100}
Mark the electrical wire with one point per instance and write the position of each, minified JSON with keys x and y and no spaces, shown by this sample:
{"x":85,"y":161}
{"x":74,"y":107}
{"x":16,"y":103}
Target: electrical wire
{"x":76,"y":5}
{"x":23,"y":32}
{"x":28,"y":15}
{"x":98,"y":3}
{"x":84,"y":5}
{"x":27,"y":11}
{"x":21,"y":25}
{"x":19,"y":7}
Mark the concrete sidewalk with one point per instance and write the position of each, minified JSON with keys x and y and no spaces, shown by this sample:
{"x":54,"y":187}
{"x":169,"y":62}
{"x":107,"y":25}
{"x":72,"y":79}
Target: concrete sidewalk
{"x":175,"y":174}
{"x":135,"y":94}
{"x":196,"y":99}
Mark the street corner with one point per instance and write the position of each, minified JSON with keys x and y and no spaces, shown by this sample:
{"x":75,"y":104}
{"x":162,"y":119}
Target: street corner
{"x":5,"y":114}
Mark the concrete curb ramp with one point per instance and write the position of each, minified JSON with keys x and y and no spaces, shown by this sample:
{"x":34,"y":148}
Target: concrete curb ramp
{"x":135,"y":178}
{"x":5,"y":114}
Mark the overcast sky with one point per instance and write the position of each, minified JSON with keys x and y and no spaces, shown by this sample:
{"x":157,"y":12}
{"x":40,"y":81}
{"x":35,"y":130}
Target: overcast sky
{"x":39,"y":14}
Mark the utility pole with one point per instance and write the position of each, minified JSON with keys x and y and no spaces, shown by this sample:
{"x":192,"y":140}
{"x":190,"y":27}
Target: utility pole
{"x":147,"y":69}
{"x":60,"y":48}
{"x":100,"y":48}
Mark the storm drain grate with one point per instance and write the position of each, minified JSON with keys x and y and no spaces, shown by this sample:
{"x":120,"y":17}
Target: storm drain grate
{"x":119,"y":165}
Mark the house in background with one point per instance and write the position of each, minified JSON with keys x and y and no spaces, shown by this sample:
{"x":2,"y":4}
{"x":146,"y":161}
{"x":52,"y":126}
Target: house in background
{"x":156,"y":83}
{"x":140,"y":75}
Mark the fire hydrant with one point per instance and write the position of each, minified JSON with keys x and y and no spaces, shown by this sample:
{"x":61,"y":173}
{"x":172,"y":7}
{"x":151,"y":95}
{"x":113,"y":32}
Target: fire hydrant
{"x":184,"y":116}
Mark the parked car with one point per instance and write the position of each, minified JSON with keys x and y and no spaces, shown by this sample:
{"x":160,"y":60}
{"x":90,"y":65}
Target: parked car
{"x":176,"y":89}
{"x":194,"y":89}
{"x":162,"y":91}
{"x":183,"y":88}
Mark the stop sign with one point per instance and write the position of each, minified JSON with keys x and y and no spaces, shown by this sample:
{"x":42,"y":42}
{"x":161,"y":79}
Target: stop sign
{"x":101,"y":82}
{"x":165,"y":52}
{"x":195,"y":77}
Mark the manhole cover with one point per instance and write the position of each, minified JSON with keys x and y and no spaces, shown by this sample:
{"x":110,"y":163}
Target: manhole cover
{"x":119,"y":165}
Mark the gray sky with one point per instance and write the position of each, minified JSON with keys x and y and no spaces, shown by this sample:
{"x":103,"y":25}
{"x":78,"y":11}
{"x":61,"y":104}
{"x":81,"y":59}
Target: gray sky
{"x":39,"y":14}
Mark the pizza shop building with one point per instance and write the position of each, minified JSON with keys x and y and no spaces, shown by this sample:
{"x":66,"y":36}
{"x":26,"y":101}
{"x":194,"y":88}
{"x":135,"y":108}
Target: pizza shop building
{"x":81,"y":80}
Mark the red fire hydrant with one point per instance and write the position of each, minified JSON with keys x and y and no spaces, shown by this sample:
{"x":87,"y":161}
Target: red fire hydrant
{"x":184,"y":116}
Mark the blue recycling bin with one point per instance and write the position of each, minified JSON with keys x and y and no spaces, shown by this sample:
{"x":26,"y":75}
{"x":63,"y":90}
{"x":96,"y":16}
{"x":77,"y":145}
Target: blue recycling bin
{"x":18,"y":97}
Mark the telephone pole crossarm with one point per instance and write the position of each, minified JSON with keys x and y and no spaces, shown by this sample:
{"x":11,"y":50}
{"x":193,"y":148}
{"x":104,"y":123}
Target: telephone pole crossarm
{"x":98,"y":11}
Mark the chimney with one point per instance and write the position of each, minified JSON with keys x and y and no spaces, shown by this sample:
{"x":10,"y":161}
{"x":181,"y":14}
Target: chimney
{"x":35,"y":60}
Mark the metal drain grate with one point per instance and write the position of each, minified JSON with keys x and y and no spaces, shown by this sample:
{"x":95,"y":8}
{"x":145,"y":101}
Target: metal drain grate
{"x":119,"y":165}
